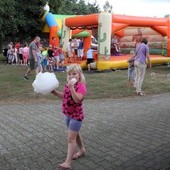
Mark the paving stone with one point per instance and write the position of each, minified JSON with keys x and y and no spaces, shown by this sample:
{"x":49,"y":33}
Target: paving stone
{"x":125,"y":134}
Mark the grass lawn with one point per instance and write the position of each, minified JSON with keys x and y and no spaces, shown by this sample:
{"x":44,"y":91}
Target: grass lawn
{"x":101,"y":85}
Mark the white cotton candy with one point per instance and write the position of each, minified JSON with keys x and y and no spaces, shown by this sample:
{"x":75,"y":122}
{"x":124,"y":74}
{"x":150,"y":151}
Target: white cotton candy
{"x":44,"y":83}
{"x":73,"y":80}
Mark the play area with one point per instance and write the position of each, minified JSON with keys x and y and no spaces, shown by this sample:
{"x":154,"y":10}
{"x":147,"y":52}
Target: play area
{"x":108,"y":29}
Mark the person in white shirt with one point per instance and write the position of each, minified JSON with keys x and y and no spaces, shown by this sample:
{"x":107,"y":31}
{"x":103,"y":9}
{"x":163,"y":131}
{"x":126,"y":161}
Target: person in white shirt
{"x":69,"y":50}
{"x":90,"y":59}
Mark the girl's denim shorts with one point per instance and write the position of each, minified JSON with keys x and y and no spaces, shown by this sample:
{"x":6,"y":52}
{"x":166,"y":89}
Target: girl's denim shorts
{"x":72,"y":124}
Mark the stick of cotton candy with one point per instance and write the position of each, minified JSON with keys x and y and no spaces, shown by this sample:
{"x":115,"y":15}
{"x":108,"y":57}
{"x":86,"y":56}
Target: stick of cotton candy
{"x":44,"y":83}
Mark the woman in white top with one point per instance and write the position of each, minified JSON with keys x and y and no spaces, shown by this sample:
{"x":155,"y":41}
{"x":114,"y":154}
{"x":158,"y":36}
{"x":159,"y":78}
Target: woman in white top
{"x":69,"y":50}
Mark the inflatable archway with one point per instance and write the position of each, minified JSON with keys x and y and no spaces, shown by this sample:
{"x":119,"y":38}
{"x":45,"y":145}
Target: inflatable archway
{"x":64,"y":27}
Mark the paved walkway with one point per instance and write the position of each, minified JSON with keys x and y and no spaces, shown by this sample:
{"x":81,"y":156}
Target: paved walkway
{"x":119,"y":134}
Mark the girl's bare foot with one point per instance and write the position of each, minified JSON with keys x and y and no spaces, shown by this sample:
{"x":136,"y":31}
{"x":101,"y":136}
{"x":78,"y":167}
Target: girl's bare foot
{"x":79,"y":154}
{"x":64,"y":166}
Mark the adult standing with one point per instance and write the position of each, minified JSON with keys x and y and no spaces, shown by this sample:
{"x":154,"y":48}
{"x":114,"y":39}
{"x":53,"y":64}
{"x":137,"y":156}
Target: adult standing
{"x":69,"y":50}
{"x":141,"y":58}
{"x":20,"y":54}
{"x":80,"y":50}
{"x":33,"y":57}
{"x":10,"y":53}
{"x":15,"y":55}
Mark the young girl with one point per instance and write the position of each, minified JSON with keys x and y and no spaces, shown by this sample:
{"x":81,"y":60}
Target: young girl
{"x":61,"y":56}
{"x":56,"y":57}
{"x":25,"y":54}
{"x":73,"y":95}
{"x":131,"y":69}
{"x":39,"y":59}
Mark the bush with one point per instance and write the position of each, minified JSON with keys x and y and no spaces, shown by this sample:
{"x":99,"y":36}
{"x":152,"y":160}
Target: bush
{"x":2,"y":58}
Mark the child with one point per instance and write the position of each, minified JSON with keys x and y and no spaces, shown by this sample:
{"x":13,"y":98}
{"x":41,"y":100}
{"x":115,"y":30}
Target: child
{"x":50,"y":58}
{"x":25,"y":54}
{"x":39,"y":59}
{"x":61,"y":56}
{"x":56,"y":57}
{"x":73,"y":95}
{"x":131,"y":69}
{"x":50,"y":64}
{"x":89,"y":58}
{"x":80,"y":50}
{"x":44,"y":59}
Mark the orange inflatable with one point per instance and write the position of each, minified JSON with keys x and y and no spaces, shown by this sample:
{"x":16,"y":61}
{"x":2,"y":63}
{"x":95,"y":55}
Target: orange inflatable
{"x":117,"y":25}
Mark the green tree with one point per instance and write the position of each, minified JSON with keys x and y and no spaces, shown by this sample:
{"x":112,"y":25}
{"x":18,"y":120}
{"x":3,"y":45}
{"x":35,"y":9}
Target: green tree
{"x":21,"y":19}
{"x":28,"y":19}
{"x":107,"y":7}
{"x":71,"y":7}
{"x":167,"y":16}
{"x":7,"y":19}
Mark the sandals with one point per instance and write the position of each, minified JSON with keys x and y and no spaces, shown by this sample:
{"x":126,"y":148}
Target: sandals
{"x":78,"y":155}
{"x":63,"y":167}
{"x":140,"y":93}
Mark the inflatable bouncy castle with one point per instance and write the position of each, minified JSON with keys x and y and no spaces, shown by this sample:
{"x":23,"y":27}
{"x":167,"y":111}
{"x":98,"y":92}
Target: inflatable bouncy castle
{"x":127,"y":28}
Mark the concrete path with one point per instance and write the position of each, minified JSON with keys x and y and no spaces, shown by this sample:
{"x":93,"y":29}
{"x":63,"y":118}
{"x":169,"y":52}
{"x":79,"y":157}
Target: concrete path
{"x":119,"y":134}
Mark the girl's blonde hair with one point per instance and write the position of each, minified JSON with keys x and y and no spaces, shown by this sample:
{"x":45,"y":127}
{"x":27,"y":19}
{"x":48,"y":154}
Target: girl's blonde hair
{"x":76,"y":68}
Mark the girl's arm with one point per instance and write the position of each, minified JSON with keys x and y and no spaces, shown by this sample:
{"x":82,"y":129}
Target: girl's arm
{"x":77,"y":97}
{"x":57,"y":93}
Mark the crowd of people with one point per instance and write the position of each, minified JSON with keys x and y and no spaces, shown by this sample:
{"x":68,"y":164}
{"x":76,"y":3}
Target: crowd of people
{"x":75,"y":50}
{"x":50,"y":58}
{"x":42,"y":59}
{"x":20,"y":54}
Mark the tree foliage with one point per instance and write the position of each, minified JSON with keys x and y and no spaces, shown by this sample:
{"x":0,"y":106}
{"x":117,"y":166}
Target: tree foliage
{"x":21,"y":19}
{"x":107,"y":7}
{"x":71,"y":7}
{"x":167,"y":16}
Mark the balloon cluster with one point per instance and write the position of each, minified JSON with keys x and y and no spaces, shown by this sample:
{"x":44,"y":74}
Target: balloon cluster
{"x":44,"y":83}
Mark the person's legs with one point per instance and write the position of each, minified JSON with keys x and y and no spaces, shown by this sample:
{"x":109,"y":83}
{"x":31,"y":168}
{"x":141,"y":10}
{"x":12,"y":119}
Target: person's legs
{"x":136,"y":74}
{"x":24,"y":61}
{"x":13,"y":59}
{"x":78,"y":54}
{"x":81,"y":54}
{"x":80,"y":144}
{"x":57,"y":62}
{"x":71,"y":148}
{"x":139,"y":76}
{"x":62,"y":63}
{"x":75,"y":55}
{"x":36,"y":70}
{"x":131,"y":76}
{"x":74,"y":139}
{"x":32,"y":66}
{"x":88,"y":65}
{"x":129,"y":71}
{"x":27,"y":73}
{"x":69,"y":56}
